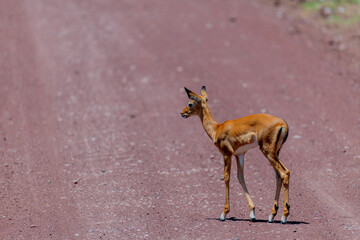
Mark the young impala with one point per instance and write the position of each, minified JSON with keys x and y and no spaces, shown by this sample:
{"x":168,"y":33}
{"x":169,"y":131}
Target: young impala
{"x":235,"y":138}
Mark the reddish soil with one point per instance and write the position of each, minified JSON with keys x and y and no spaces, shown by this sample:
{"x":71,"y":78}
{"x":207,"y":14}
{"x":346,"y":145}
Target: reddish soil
{"x":93,"y":145}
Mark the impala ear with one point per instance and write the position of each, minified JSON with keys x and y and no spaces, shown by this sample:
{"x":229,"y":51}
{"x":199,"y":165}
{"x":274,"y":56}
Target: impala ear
{"x":192,"y":95}
{"x":204,"y":93}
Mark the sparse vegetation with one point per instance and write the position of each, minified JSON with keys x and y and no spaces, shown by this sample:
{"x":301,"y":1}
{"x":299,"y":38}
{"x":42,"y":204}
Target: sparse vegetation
{"x":339,"y":12}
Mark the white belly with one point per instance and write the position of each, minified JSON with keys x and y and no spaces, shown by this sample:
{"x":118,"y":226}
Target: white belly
{"x":246,"y":148}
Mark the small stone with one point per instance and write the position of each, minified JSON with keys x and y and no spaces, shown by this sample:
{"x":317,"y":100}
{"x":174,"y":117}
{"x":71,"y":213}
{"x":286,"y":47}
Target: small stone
{"x":132,"y":67}
{"x":196,"y":79}
{"x":179,"y":69}
{"x":332,"y":42}
{"x":294,"y":30}
{"x":325,"y":11}
{"x":297,"y":137}
{"x":342,"y":47}
{"x":335,"y":40}
{"x":232,"y":19}
{"x":341,"y":10}
{"x":280,"y":14}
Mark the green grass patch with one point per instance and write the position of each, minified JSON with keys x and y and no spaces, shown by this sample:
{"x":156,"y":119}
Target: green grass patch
{"x":343,"y":12}
{"x":312,"y":5}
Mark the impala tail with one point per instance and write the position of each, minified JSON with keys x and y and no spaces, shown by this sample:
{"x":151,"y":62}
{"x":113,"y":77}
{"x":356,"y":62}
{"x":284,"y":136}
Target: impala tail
{"x":282,"y":137}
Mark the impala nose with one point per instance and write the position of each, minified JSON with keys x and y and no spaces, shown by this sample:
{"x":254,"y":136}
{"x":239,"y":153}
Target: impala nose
{"x":183,"y":115}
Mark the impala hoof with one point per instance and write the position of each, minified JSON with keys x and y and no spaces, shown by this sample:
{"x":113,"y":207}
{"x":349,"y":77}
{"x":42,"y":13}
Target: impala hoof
{"x":223,"y":217}
{"x":283,"y":219}
{"x":271,"y":218}
{"x":252,"y":216}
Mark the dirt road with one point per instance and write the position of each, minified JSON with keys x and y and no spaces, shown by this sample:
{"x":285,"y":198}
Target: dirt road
{"x":93,"y":145}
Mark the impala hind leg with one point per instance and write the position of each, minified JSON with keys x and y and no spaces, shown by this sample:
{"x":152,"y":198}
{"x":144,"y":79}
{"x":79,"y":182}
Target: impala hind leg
{"x":286,"y":183}
{"x":285,"y":178}
{"x":277,"y":194}
{"x":227,"y":170}
{"x":240,"y":177}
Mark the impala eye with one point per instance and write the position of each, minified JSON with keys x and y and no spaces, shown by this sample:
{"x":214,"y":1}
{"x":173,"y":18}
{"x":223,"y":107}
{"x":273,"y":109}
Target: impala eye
{"x":191,"y":105}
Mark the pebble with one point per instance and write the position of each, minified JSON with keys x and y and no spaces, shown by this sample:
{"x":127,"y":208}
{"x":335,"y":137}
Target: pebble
{"x":232,"y":19}
{"x":325,"y":12}
{"x":179,"y":69}
{"x":132,"y":67}
{"x":209,"y":26}
{"x":341,"y":10}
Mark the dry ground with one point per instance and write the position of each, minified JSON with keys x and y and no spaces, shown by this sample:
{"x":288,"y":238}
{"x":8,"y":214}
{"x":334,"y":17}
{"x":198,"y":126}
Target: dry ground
{"x":93,"y":146}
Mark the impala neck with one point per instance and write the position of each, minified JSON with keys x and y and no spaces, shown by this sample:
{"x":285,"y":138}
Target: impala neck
{"x":208,"y":121}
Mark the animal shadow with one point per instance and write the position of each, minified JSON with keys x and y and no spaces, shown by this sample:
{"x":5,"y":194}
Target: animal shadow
{"x":233,"y":219}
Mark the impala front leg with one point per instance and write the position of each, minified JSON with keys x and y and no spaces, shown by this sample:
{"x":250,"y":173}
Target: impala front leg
{"x":240,"y":176}
{"x":227,"y":170}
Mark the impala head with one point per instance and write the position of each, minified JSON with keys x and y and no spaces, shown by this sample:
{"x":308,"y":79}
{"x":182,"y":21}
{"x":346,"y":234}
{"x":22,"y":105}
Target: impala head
{"x":194,"y":105}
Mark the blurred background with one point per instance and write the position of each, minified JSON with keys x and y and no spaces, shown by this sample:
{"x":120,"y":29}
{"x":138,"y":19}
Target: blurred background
{"x":92,"y":142}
